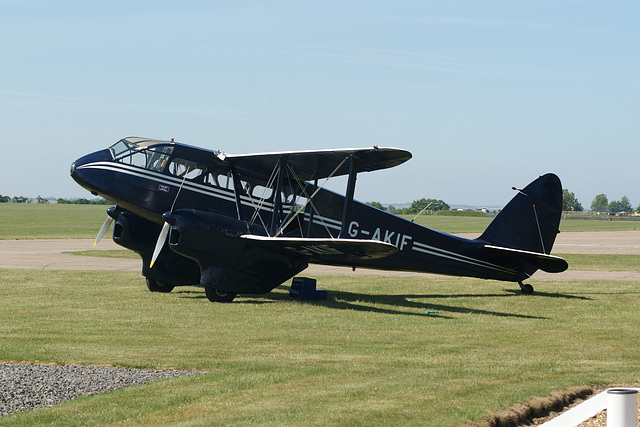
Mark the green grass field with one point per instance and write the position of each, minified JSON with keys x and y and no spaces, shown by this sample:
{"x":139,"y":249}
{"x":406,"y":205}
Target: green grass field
{"x":370,"y":355}
{"x":32,"y":221}
{"x":602,"y":262}
{"x":367,"y":356}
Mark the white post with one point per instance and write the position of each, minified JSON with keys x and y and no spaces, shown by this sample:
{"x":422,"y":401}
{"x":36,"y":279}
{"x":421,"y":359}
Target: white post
{"x":622,"y":407}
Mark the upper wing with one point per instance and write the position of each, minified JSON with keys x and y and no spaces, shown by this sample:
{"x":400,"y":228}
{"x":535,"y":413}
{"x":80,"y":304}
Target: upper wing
{"x":327,"y":251}
{"x":320,"y":163}
{"x":548,"y":263}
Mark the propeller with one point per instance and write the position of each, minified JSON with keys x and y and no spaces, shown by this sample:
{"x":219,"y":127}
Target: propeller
{"x":111,"y":214}
{"x":160,"y":243}
{"x":103,"y":230}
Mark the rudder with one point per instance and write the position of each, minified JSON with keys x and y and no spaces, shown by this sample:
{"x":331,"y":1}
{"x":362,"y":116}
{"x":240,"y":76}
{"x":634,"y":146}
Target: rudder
{"x":530,"y":221}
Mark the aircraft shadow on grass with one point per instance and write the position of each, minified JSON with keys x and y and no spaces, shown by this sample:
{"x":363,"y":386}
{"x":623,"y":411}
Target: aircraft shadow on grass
{"x":394,"y":304}
{"x":550,"y":295}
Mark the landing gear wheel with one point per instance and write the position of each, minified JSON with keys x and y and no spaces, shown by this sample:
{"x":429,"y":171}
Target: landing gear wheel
{"x":155,"y":286}
{"x":526,"y":289}
{"x":216,"y":295}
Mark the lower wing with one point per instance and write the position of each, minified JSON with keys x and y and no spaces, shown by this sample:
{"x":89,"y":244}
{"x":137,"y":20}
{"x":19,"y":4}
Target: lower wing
{"x":326,"y":251}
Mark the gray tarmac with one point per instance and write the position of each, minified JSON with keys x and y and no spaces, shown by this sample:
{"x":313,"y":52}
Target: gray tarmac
{"x":54,"y":255}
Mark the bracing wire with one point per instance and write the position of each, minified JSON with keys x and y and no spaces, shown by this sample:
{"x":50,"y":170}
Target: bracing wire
{"x":309,"y":199}
{"x":535,"y":214}
{"x":184,"y":177}
{"x":257,"y":207}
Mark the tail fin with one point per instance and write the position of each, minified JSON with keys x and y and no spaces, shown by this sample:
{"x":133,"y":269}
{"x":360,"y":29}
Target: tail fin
{"x":530,"y":221}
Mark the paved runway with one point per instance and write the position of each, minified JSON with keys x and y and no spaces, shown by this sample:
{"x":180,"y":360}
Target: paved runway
{"x":53,"y":254}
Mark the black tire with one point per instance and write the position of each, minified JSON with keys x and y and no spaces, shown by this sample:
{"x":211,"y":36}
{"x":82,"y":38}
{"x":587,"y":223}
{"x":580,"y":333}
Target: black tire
{"x":527,"y":289}
{"x":155,"y":286}
{"x":216,"y":295}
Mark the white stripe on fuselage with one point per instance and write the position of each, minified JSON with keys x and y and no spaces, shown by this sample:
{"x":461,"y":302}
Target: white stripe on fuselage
{"x":207,"y":190}
{"x":228,"y":195}
{"x":432,"y":250}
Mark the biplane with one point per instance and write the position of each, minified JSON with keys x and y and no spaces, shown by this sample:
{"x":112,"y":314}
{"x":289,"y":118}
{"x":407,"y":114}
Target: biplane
{"x":244,"y":224}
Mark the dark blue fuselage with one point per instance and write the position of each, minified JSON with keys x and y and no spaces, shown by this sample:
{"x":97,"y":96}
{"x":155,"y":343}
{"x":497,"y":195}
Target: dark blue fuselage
{"x":148,"y":179}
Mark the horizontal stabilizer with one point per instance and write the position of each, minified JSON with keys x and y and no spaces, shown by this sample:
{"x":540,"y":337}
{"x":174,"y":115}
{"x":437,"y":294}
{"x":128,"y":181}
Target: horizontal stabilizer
{"x":335,"y":251}
{"x":548,"y":263}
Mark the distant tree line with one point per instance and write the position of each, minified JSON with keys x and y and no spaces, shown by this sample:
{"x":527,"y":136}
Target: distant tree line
{"x":20,"y":199}
{"x":599,"y":204}
{"x":569,"y":203}
{"x":417,"y":206}
{"x":99,"y":201}
{"x":42,"y":200}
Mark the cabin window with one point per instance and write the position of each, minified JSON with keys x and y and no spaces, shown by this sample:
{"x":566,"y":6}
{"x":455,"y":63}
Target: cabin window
{"x":224,"y":179}
{"x":154,"y":158}
{"x":262,"y":192}
{"x":212,"y":179}
{"x":220,"y":178}
{"x":300,"y":204}
{"x":157,"y":158}
{"x":120,"y":148}
{"x":186,"y":168}
{"x":137,"y":158}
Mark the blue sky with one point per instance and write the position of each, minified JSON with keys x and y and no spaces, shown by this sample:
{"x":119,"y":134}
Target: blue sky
{"x":486,"y":94}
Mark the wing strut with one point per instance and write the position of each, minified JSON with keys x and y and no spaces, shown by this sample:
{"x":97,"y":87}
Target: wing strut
{"x":277,"y":202}
{"x":348,"y":199}
{"x":311,"y":208}
{"x":237,"y":187}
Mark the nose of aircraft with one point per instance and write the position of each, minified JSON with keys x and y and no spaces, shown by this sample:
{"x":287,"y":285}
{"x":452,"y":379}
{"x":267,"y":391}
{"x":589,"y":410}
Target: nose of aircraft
{"x":86,"y":173}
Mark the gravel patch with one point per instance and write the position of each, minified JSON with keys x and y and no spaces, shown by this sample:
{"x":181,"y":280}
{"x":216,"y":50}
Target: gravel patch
{"x":24,"y":387}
